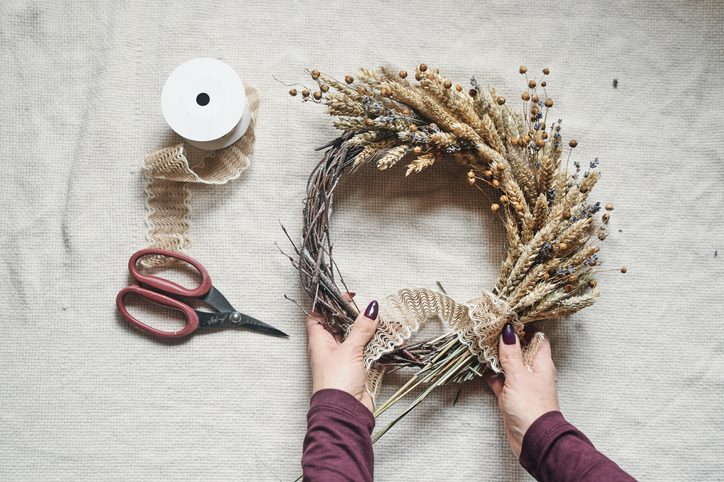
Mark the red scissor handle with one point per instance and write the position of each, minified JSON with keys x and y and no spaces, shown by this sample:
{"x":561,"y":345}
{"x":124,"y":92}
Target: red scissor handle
{"x":165,"y":285}
{"x":192,"y":319}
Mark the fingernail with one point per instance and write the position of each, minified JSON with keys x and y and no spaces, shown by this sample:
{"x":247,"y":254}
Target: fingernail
{"x":372,"y":309}
{"x":508,"y":334}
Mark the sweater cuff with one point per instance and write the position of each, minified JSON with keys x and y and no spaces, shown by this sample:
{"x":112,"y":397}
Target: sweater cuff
{"x":537,"y":439}
{"x":343,"y":403}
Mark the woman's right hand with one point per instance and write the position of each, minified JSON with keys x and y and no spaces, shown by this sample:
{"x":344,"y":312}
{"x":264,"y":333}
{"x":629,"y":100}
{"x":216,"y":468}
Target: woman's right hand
{"x":523,"y":395}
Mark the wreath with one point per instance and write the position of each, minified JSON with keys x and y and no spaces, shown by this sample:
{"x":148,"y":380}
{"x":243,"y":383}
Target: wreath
{"x":515,"y":159}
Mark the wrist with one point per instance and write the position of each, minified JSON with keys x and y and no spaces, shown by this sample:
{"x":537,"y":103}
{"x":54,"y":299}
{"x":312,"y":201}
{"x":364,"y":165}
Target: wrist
{"x":360,"y":395}
{"x":341,"y":400}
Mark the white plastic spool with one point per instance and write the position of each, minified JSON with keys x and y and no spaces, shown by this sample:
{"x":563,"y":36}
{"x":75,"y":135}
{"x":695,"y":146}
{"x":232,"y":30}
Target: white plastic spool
{"x":204,"y":101}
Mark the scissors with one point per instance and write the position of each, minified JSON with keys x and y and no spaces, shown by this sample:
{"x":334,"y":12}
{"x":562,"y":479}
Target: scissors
{"x":172,"y":295}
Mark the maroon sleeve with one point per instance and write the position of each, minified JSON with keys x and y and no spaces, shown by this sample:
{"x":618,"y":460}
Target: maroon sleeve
{"x":553,"y":449}
{"x":338,"y":444}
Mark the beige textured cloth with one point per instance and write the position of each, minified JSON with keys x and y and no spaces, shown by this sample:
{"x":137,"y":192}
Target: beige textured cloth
{"x":84,"y":397}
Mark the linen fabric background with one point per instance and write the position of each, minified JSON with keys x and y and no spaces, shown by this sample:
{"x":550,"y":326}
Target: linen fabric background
{"x":84,"y":397}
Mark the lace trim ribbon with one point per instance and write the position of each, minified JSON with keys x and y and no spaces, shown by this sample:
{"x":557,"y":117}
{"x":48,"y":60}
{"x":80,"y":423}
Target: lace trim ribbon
{"x":171,"y":170}
{"x":478,"y":324}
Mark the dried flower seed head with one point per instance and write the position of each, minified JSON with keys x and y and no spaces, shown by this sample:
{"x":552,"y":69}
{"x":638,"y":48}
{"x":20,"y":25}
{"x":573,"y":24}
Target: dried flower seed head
{"x":406,"y":112}
{"x":566,"y":213}
{"x":562,"y":246}
{"x":458,"y":87}
{"x":568,"y":288}
{"x":534,"y":110}
{"x":503,"y":199}
{"x":523,"y":69}
{"x":488,"y":173}
{"x":573,"y":143}
{"x":471,"y":180}
{"x":305,"y":93}
{"x":403,"y":74}
{"x":624,"y":269}
{"x":609,"y":207}
{"x":473,"y":92}
{"x":417,"y":150}
{"x":471,"y":173}
{"x":546,"y":71}
{"x":315,"y":74}
{"x":540,"y":143}
{"x":361,"y":90}
{"x":293,"y":92}
{"x":495,"y":183}
{"x":543,"y":84}
{"x":543,"y":126}
{"x":592,"y":284}
{"x":606,"y":217}
{"x":317,"y":95}
{"x":384,"y":92}
{"x":602,"y":236}
{"x":525,"y":96}
{"x":535,"y":99}
{"x":544,"y":135}
{"x":369,"y":122}
{"x":418,"y":76}
{"x":526,"y":139}
{"x":349,"y":79}
{"x":423,"y":67}
{"x":324,"y":88}
{"x":501,"y":100}
{"x":531,"y":84}
{"x":500,"y":167}
{"x":549,"y":102}
{"x":413,"y":128}
{"x":546,"y":276}
{"x":494,"y":207}
{"x":447,"y":84}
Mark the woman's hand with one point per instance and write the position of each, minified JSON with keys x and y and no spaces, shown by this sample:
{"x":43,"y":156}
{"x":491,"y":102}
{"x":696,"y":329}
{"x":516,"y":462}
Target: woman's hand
{"x":523,"y":395}
{"x":341,"y":365}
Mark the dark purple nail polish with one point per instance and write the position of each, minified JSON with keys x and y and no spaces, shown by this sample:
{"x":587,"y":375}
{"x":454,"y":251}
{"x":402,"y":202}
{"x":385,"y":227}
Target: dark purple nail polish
{"x":508,"y":334}
{"x":372,"y":309}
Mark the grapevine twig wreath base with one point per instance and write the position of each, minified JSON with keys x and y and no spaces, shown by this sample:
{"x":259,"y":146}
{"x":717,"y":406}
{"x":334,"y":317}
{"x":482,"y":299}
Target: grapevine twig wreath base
{"x":552,"y":239}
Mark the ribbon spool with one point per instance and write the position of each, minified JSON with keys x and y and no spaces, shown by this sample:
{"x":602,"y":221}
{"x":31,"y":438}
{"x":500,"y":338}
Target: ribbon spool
{"x":204,"y":101}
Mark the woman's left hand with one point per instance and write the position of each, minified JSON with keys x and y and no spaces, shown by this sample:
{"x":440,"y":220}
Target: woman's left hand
{"x":341,"y":365}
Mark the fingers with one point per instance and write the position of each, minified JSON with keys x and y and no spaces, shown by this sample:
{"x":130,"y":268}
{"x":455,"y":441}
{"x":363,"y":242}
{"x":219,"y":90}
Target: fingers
{"x":543,"y":360}
{"x":495,"y":382}
{"x":364,"y":327}
{"x":315,"y":331}
{"x":509,"y":351}
{"x":348,"y":296}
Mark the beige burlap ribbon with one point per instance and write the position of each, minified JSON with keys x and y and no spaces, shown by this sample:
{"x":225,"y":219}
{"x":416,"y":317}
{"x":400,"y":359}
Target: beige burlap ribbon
{"x":477,"y":324}
{"x":171,"y":170}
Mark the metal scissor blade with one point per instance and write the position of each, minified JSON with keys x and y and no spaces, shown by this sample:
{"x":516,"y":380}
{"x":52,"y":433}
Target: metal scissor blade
{"x":217,"y":300}
{"x":256,"y":325}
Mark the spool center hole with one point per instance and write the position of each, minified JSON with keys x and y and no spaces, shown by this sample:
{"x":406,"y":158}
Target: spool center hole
{"x":203,"y":99}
